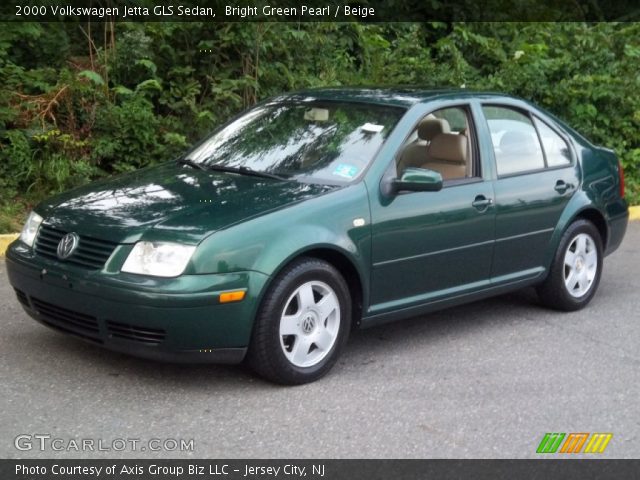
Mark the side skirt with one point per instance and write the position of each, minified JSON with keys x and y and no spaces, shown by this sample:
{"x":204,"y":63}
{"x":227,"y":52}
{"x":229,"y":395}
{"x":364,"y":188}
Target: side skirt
{"x":451,"y":301}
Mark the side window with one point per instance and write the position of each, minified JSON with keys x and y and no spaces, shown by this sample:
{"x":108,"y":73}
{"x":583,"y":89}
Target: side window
{"x":515,"y":140}
{"x":442,"y":141}
{"x":555,"y":147}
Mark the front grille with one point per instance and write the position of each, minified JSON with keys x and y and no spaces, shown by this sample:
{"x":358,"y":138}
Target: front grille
{"x":67,"y":320}
{"x":91,"y":253}
{"x":135,"y":333}
{"x":22,"y":297}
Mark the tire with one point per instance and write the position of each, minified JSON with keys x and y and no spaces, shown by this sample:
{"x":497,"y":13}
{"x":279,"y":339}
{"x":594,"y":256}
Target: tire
{"x":579,"y":254}
{"x":302,"y":324}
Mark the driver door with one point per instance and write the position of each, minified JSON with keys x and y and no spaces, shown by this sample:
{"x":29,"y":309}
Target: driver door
{"x":431,"y":245}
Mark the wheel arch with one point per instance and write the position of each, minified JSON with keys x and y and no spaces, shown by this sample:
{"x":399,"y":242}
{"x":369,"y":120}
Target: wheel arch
{"x":581,"y":206}
{"x":349,"y":272}
{"x":343,"y":263}
{"x":554,"y":291}
{"x":596,"y":217}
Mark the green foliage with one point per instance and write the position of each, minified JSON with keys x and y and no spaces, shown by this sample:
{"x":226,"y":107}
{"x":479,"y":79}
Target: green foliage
{"x":128,"y":136}
{"x":93,"y":76}
{"x":78,"y":102}
{"x":16,"y":162}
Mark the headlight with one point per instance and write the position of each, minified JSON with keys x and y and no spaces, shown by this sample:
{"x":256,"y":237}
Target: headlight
{"x":28,"y":234}
{"x":158,"y":259}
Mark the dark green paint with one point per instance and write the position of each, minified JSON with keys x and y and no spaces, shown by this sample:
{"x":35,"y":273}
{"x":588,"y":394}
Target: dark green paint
{"x":416,"y":252}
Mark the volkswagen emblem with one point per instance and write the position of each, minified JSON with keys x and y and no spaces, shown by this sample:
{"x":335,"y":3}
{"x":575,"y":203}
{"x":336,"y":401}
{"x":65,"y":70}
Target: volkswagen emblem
{"x":308,"y":324}
{"x":67,"y":245}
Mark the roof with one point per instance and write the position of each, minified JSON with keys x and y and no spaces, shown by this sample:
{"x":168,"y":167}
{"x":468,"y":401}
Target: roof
{"x":395,"y":96}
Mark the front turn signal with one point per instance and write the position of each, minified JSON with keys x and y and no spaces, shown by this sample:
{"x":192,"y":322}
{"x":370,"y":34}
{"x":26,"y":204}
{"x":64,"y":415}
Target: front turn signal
{"x":235,"y":296}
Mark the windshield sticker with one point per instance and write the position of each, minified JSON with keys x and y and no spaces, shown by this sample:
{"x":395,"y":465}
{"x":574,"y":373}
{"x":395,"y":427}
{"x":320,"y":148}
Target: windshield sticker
{"x":371,"y":128}
{"x":345,"y":170}
{"x":316,"y":114}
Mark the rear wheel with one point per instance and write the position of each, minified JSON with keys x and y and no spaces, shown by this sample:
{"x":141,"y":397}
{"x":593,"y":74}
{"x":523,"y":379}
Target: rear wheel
{"x":302,"y":324}
{"x":575,"y":273}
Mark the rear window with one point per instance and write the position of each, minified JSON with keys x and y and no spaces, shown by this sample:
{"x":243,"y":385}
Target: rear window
{"x":556,"y":148}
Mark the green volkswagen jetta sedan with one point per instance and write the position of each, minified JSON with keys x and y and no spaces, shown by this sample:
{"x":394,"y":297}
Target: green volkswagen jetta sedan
{"x":317,"y":212}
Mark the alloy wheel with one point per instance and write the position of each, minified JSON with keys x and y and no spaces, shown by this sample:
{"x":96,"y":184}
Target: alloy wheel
{"x":580,"y":265}
{"x":309,"y":324}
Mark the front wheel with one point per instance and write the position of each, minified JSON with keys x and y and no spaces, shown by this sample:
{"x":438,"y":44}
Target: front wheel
{"x":575,"y":272}
{"x":302,"y":324}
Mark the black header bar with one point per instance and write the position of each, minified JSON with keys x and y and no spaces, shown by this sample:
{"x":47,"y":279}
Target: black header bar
{"x":319,"y":10}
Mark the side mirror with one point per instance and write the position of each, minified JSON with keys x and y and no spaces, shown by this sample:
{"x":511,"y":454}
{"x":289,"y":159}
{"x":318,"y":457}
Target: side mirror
{"x":418,"y":180}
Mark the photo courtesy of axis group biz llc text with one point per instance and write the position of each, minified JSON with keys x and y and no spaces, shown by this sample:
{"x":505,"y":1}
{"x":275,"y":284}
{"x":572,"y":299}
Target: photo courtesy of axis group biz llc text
{"x":173,"y":470}
{"x":328,"y":240}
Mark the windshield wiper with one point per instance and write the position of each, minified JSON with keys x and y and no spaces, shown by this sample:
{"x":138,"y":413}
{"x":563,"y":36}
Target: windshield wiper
{"x":191,"y":163}
{"x":222,"y":168}
{"x":244,"y":171}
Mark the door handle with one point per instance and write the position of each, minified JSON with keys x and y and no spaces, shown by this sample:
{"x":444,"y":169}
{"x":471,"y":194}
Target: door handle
{"x":562,"y":187}
{"x":481,"y":203}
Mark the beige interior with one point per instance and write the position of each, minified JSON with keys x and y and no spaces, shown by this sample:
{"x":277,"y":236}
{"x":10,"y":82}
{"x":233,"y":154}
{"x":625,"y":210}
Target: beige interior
{"x":469,"y":172}
{"x":415,"y":153}
{"x":436,"y":148}
{"x":447,"y":154}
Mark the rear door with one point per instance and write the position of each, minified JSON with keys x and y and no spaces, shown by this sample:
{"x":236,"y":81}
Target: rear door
{"x":536,"y":177}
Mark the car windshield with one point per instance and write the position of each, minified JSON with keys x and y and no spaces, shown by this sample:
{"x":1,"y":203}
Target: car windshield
{"x":329,"y":142}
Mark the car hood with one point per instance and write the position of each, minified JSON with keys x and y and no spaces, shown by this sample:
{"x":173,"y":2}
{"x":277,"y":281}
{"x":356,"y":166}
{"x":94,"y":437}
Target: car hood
{"x":171,"y":202}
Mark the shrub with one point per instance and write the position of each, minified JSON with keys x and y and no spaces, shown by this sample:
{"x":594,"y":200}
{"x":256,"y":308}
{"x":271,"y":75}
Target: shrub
{"x":77,"y":104}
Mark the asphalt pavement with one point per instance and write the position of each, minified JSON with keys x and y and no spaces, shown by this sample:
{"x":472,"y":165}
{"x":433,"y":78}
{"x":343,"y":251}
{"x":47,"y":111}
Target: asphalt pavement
{"x":485,"y":380}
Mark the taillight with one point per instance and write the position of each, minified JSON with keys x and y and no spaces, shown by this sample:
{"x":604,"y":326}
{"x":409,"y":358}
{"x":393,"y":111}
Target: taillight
{"x":621,"y":174}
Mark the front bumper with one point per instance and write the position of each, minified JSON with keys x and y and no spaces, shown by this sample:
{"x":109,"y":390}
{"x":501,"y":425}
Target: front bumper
{"x":177,"y":319}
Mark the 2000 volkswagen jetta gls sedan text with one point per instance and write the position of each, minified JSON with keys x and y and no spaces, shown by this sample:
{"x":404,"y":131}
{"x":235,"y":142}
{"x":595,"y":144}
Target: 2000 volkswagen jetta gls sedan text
{"x":317,"y":212}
